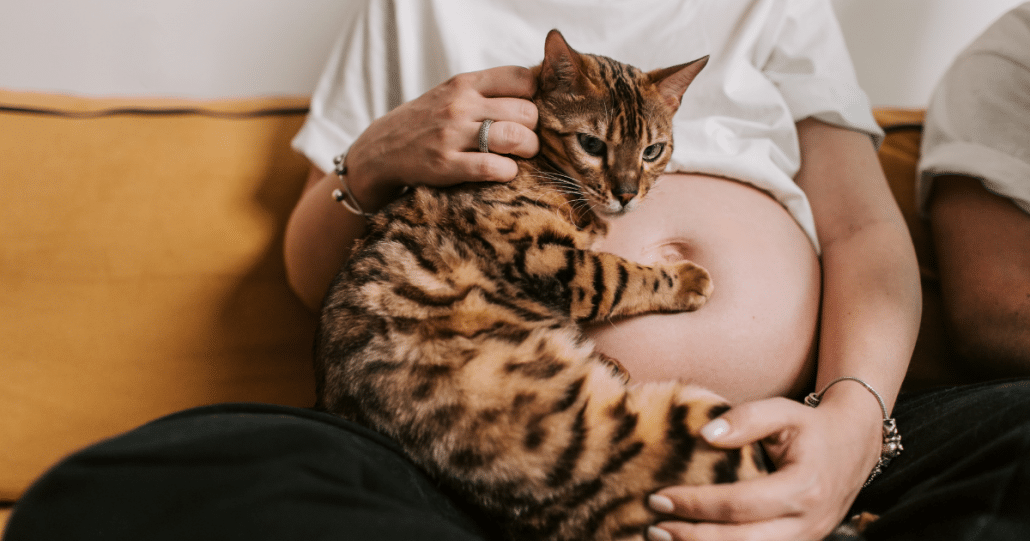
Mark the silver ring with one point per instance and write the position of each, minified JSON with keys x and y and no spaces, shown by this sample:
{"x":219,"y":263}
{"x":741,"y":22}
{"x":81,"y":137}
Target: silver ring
{"x":484,"y":133}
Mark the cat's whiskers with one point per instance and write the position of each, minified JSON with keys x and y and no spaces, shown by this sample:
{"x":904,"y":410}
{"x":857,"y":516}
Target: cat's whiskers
{"x":556,"y":177}
{"x":574,"y":196}
{"x":562,"y":184}
{"x":581,"y":203}
{"x":570,"y":211}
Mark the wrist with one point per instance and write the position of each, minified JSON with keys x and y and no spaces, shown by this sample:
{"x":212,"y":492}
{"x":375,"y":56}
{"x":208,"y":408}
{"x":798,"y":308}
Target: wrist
{"x":369,"y":190}
{"x":858,"y":403}
{"x":860,"y":407}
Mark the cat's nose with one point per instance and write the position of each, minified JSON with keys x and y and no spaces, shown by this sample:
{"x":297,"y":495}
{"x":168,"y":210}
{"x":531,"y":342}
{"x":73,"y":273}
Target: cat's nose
{"x":625,"y":197}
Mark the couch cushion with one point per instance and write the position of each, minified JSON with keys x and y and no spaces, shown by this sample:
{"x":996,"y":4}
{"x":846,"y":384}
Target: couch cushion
{"x":141,"y":270}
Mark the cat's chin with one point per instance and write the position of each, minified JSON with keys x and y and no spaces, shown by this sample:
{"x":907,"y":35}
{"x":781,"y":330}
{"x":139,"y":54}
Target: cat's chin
{"x":614,"y":210}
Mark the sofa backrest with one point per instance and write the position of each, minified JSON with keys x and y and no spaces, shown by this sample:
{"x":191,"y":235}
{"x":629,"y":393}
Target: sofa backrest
{"x":141,"y":269}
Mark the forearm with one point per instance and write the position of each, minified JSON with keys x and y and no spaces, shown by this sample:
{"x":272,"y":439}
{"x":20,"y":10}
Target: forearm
{"x":318,"y":239}
{"x":871,"y":291}
{"x":871,"y":310}
{"x":870,"y":319}
{"x":872,"y":297}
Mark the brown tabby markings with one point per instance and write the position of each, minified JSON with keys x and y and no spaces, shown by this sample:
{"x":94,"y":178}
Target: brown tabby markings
{"x":453,"y":328}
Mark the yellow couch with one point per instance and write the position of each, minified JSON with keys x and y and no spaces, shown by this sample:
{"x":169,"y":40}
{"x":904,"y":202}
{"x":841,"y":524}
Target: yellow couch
{"x":140,"y":266}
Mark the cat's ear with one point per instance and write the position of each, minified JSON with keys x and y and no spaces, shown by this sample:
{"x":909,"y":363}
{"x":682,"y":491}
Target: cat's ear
{"x":673,"y":82}
{"x":562,"y":66}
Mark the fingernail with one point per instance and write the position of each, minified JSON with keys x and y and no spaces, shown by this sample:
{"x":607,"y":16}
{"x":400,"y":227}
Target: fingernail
{"x":660,"y":504}
{"x":655,"y":533}
{"x":715,"y":430}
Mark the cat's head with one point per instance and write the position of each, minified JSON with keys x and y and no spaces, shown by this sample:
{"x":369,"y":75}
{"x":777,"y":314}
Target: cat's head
{"x":605,"y":125}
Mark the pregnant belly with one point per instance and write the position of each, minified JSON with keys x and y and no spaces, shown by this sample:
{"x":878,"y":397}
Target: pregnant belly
{"x":756,"y":336}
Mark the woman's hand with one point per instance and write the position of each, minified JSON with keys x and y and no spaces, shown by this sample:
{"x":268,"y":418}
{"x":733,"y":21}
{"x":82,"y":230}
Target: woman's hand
{"x":434,"y":139}
{"x":822,"y":458}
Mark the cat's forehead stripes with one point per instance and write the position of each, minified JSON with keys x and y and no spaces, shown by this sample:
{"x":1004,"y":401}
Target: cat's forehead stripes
{"x":625,"y":99}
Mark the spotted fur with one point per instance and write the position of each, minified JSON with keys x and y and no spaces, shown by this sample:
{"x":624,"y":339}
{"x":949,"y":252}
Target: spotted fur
{"x":454,"y":326}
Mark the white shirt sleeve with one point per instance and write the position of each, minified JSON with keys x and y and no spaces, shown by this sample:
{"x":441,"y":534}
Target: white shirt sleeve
{"x":978,"y":122}
{"x":354,"y":88}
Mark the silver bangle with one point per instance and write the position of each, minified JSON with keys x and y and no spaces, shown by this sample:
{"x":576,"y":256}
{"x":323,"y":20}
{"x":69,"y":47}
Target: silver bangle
{"x":891,"y":447}
{"x":345,"y":197}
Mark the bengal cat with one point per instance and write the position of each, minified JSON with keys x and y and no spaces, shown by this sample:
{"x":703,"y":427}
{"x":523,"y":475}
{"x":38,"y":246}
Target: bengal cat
{"x":454,"y":326}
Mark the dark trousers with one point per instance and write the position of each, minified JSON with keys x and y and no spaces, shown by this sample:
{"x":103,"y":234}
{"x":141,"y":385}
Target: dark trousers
{"x":257,"y":472}
{"x":965,"y":471}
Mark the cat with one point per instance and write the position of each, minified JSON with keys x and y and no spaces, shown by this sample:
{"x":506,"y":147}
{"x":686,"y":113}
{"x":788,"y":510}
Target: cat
{"x":454,"y":326}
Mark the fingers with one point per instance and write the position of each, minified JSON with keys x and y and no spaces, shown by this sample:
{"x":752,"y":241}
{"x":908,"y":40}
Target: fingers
{"x":482,"y":167}
{"x":685,"y":531}
{"x":508,"y":138}
{"x":751,"y":422}
{"x":770,"y":508}
{"x":516,"y":110}
{"x":803,"y":499}
{"x":773,"y":421}
{"x":512,"y":130}
{"x":774,"y":530}
{"x":434,"y":139}
{"x":745,"y":501}
{"x":512,"y":81}
{"x":498,"y":94}
{"x":502,"y":95}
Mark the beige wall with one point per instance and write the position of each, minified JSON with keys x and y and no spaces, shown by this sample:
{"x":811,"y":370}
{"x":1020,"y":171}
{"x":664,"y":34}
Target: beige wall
{"x":224,"y":48}
{"x":901,"y":47}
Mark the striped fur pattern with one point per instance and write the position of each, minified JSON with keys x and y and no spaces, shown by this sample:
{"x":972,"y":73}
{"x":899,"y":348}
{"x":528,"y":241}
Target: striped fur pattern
{"x":454,"y":326}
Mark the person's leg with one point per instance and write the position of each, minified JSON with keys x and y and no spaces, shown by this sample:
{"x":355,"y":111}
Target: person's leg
{"x":982,"y":245}
{"x":965,"y":470}
{"x":240,"y":472}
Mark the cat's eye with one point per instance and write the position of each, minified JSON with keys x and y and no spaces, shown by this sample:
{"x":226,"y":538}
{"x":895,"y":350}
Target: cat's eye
{"x":591,"y":145}
{"x":652,"y":152}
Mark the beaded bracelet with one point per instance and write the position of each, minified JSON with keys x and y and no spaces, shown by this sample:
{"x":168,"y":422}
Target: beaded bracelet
{"x":345,"y":197}
{"x":891,"y":447}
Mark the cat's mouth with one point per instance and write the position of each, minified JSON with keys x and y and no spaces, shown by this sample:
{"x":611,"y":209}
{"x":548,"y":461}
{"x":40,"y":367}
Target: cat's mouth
{"x":617,"y":206}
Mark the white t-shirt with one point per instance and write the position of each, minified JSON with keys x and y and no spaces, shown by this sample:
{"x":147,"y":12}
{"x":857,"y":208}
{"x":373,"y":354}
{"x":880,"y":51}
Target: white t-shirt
{"x":978,"y":122}
{"x":773,"y":62}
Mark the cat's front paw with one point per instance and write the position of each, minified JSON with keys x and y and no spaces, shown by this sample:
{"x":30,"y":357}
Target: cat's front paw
{"x":618,"y":371}
{"x":694,"y":285}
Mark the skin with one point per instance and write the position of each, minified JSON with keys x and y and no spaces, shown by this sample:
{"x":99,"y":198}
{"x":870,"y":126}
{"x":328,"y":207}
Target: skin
{"x":767,"y":288}
{"x":987,"y":306}
{"x":869,"y":321}
{"x":867,"y":318}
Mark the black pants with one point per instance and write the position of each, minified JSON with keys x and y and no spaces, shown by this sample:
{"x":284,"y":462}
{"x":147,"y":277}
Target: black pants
{"x":965,"y":471}
{"x":258,"y":472}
